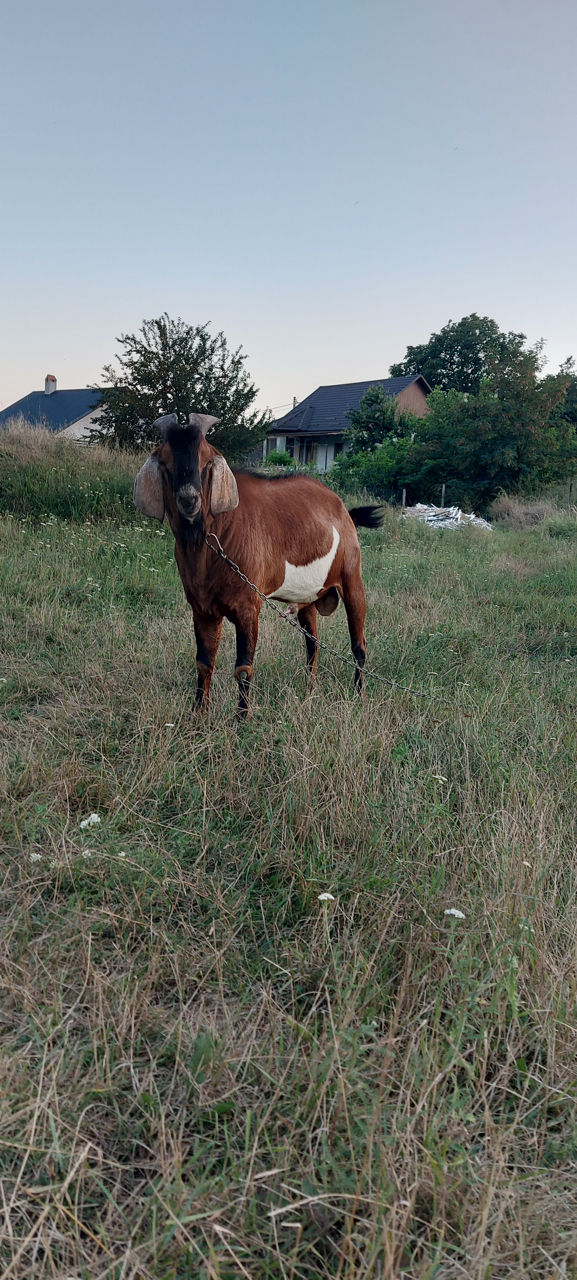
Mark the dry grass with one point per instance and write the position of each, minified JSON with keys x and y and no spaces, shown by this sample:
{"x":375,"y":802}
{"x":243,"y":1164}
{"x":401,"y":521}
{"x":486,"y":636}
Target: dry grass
{"x":205,"y":1070}
{"x":522,"y":513}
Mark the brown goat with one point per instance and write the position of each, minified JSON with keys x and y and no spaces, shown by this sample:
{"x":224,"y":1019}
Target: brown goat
{"x":291,"y":536}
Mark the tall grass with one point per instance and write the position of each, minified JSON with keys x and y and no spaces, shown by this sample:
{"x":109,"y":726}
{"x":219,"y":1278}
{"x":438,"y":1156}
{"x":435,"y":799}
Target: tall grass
{"x":43,"y":474}
{"x":208,"y":1071}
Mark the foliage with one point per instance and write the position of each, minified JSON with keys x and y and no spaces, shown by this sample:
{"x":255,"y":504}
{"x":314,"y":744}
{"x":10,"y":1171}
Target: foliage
{"x":278,"y":458}
{"x":173,"y":367}
{"x":377,"y":418}
{"x":465,"y":352}
{"x":568,"y":409}
{"x":514,"y":435}
{"x":508,"y":437}
{"x":382,"y":470}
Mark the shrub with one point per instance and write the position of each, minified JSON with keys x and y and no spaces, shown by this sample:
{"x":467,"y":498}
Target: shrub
{"x":382,"y":471}
{"x":278,"y":458}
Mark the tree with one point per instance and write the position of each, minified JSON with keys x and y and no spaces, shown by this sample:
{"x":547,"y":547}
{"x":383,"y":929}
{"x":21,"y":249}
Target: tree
{"x":466,"y":352}
{"x":379,"y":440}
{"x":173,"y":367}
{"x":515,"y":434}
{"x":377,"y":417}
{"x":569,"y":408}
{"x":510,"y":436}
{"x":382,"y":470}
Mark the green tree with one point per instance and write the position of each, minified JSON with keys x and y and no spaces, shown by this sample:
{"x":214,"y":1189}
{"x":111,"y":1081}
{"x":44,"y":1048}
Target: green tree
{"x":516,"y":434}
{"x":379,"y":444}
{"x":465,"y":352}
{"x":510,"y":436}
{"x":377,"y":418}
{"x":569,"y":407}
{"x":173,"y":367}
{"x":382,"y":471}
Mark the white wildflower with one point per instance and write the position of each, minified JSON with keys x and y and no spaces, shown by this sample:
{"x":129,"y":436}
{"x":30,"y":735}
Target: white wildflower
{"x":454,"y":911}
{"x":87,"y":853}
{"x":92,"y":820}
{"x":326,"y":897}
{"x":35,"y":857}
{"x":122,"y":853}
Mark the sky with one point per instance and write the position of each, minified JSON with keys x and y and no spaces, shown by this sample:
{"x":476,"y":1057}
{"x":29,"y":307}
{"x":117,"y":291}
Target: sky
{"x":325,"y":181}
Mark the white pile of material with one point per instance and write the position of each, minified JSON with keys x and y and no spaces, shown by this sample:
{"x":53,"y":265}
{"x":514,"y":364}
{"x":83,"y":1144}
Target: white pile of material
{"x":443,"y":517}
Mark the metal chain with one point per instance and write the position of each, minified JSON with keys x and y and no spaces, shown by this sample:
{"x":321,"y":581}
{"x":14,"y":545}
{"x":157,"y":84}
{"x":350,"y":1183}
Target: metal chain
{"x":293,"y":622}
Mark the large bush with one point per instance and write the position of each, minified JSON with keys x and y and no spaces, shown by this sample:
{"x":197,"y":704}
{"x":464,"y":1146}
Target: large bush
{"x":381,"y":471}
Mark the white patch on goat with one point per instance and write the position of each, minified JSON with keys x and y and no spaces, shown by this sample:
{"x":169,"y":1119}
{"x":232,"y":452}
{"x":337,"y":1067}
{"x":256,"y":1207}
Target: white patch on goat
{"x":302,"y":582}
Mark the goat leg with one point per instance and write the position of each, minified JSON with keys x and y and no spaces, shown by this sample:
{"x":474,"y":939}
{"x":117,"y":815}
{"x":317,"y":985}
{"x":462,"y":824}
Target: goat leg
{"x":207,"y":632}
{"x":307,"y":617}
{"x":246,"y":638}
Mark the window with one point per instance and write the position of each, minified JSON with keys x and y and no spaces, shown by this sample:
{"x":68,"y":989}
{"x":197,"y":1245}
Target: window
{"x":310,"y":451}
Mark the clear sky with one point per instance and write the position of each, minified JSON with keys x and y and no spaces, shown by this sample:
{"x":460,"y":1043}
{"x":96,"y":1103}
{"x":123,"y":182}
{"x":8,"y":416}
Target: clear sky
{"x":324,"y":180}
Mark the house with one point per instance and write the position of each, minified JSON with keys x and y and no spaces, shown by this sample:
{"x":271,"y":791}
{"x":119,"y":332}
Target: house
{"x":69,"y":413}
{"x":314,"y":430}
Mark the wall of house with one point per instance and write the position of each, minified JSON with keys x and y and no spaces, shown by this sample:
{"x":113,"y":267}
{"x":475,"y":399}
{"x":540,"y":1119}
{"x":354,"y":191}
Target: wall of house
{"x":81,"y":430}
{"x":306,"y":450}
{"x":414,"y":399}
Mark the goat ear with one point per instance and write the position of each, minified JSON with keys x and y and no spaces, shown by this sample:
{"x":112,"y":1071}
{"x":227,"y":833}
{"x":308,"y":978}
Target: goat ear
{"x":224,"y":493}
{"x":148,"y":490}
{"x":204,"y":421}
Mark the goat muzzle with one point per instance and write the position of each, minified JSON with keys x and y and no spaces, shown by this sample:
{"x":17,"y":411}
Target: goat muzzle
{"x":188,"y":502}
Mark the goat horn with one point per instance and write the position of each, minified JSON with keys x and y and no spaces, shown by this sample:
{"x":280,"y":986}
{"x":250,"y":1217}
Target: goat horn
{"x":204,"y":421}
{"x":163,"y":424}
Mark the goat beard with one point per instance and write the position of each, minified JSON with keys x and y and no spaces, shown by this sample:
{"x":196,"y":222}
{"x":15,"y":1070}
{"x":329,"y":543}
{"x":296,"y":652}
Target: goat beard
{"x":191,"y":533}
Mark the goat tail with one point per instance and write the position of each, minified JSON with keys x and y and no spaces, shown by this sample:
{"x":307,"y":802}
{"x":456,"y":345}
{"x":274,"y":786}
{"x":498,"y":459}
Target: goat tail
{"x":367,"y":517}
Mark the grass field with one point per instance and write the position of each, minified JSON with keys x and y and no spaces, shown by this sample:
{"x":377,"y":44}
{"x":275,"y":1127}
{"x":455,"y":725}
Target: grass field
{"x":206,"y":1070}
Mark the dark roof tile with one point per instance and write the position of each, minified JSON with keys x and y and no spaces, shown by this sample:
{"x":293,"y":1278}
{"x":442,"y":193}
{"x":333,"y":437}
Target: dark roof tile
{"x":56,"y":411}
{"x":325,"y":410}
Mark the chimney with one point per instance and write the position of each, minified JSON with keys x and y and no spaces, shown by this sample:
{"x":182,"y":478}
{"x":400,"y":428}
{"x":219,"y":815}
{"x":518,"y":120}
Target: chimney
{"x":49,"y":384}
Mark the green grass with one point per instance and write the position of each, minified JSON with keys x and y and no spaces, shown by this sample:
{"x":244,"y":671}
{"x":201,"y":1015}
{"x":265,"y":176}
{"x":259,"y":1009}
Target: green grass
{"x":45,"y":475}
{"x":206,"y":1072}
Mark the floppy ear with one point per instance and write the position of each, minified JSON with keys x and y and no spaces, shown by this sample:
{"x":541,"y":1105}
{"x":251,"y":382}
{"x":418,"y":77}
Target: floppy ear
{"x":224,"y":493}
{"x":148,"y":490}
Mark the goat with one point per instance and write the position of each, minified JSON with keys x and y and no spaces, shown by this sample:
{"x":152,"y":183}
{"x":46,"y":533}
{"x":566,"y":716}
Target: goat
{"x":291,"y":536}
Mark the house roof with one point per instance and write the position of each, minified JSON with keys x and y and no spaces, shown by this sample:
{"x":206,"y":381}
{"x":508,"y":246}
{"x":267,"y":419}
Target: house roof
{"x":324,"y":411}
{"x":56,"y":411}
